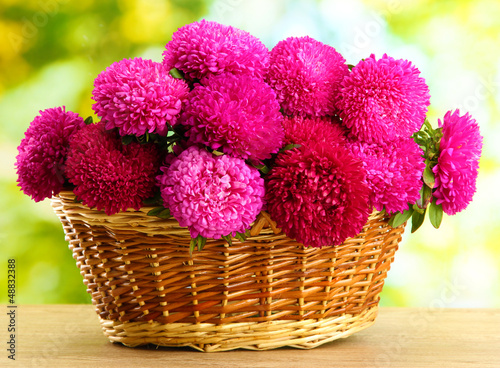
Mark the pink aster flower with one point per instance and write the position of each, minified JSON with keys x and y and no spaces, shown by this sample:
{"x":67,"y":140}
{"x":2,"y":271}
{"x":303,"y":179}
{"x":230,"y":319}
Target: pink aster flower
{"x":108,"y":175}
{"x":306,"y":76}
{"x":238,"y":115}
{"x":42,"y":152}
{"x":458,"y":162}
{"x":318,"y":195}
{"x":393,"y":172}
{"x":138,"y":96}
{"x":383,"y":99}
{"x":204,"y":48}
{"x":213,"y":196}
{"x":301,"y":130}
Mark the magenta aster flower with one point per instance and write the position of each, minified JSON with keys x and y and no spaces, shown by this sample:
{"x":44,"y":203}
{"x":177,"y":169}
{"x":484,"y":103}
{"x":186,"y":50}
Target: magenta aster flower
{"x":383,"y":99}
{"x":42,"y":152}
{"x":393,"y":172}
{"x":301,"y":130}
{"x":318,"y":195}
{"x":213,"y":196}
{"x":458,"y":162}
{"x":108,"y":175}
{"x":138,"y":96}
{"x":306,"y":76}
{"x":238,"y":115}
{"x":204,"y":48}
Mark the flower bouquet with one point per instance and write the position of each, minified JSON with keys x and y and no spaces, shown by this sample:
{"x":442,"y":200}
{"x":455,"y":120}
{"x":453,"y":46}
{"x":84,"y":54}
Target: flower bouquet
{"x":236,"y":197}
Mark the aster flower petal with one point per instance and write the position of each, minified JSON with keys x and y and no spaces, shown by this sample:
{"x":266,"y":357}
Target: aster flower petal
{"x":394,"y":172}
{"x":213,"y":196}
{"x":383,"y":99}
{"x":108,"y":175}
{"x":306,"y":76}
{"x":138,"y":96}
{"x":301,"y":130}
{"x":206,"y":48}
{"x":42,"y":152}
{"x":238,"y":115}
{"x":458,"y":162}
{"x":318,"y":194}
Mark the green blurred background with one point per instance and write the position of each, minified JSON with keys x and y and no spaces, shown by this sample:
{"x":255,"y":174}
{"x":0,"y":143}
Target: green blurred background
{"x":50,"y":52}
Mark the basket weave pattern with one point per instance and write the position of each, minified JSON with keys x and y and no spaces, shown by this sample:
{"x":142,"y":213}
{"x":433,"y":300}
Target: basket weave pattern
{"x":265,"y":293}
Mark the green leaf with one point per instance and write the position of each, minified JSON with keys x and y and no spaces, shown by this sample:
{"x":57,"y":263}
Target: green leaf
{"x":435,"y":214}
{"x":426,"y":195}
{"x":198,"y":242}
{"x":201,"y":241}
{"x":156,"y":211}
{"x":417,"y":208}
{"x":262,"y":168}
{"x":428,"y":176}
{"x":192,"y":245}
{"x":176,"y":73}
{"x":420,"y":141}
{"x":421,"y":135}
{"x":350,"y":66}
{"x":144,"y":138}
{"x":127,"y":139}
{"x":290,"y":147}
{"x":89,"y":120}
{"x":400,"y":218}
{"x":241,"y":237}
{"x":228,"y":239}
{"x":439,"y":134}
{"x":428,"y":125}
{"x":165,"y":214}
{"x":417,"y":220}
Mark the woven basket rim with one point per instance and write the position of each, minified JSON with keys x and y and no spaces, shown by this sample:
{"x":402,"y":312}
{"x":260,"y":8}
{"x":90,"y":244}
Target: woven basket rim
{"x":262,"y":222}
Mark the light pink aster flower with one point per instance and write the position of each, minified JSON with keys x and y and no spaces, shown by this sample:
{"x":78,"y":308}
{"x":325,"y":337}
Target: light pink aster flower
{"x":138,"y":96}
{"x":108,"y":175}
{"x":393,"y":172}
{"x":306,"y":76}
{"x":458,"y":163}
{"x":42,"y":152}
{"x":205,"y":48}
{"x":383,"y":99}
{"x":213,"y":196}
{"x":238,"y":115}
{"x":318,"y":194}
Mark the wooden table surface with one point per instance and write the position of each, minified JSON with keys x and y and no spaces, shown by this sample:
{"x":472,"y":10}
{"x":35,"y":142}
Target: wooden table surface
{"x":70,"y":336}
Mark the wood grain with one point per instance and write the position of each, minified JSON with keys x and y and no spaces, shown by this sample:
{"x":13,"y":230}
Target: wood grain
{"x":70,"y":336}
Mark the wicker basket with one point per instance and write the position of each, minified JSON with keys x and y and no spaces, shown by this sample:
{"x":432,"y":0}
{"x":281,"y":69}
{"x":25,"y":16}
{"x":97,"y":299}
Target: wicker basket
{"x":265,"y":293}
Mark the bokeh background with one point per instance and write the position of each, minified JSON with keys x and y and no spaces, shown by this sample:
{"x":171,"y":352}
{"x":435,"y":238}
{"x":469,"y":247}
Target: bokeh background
{"x":50,"y":52}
